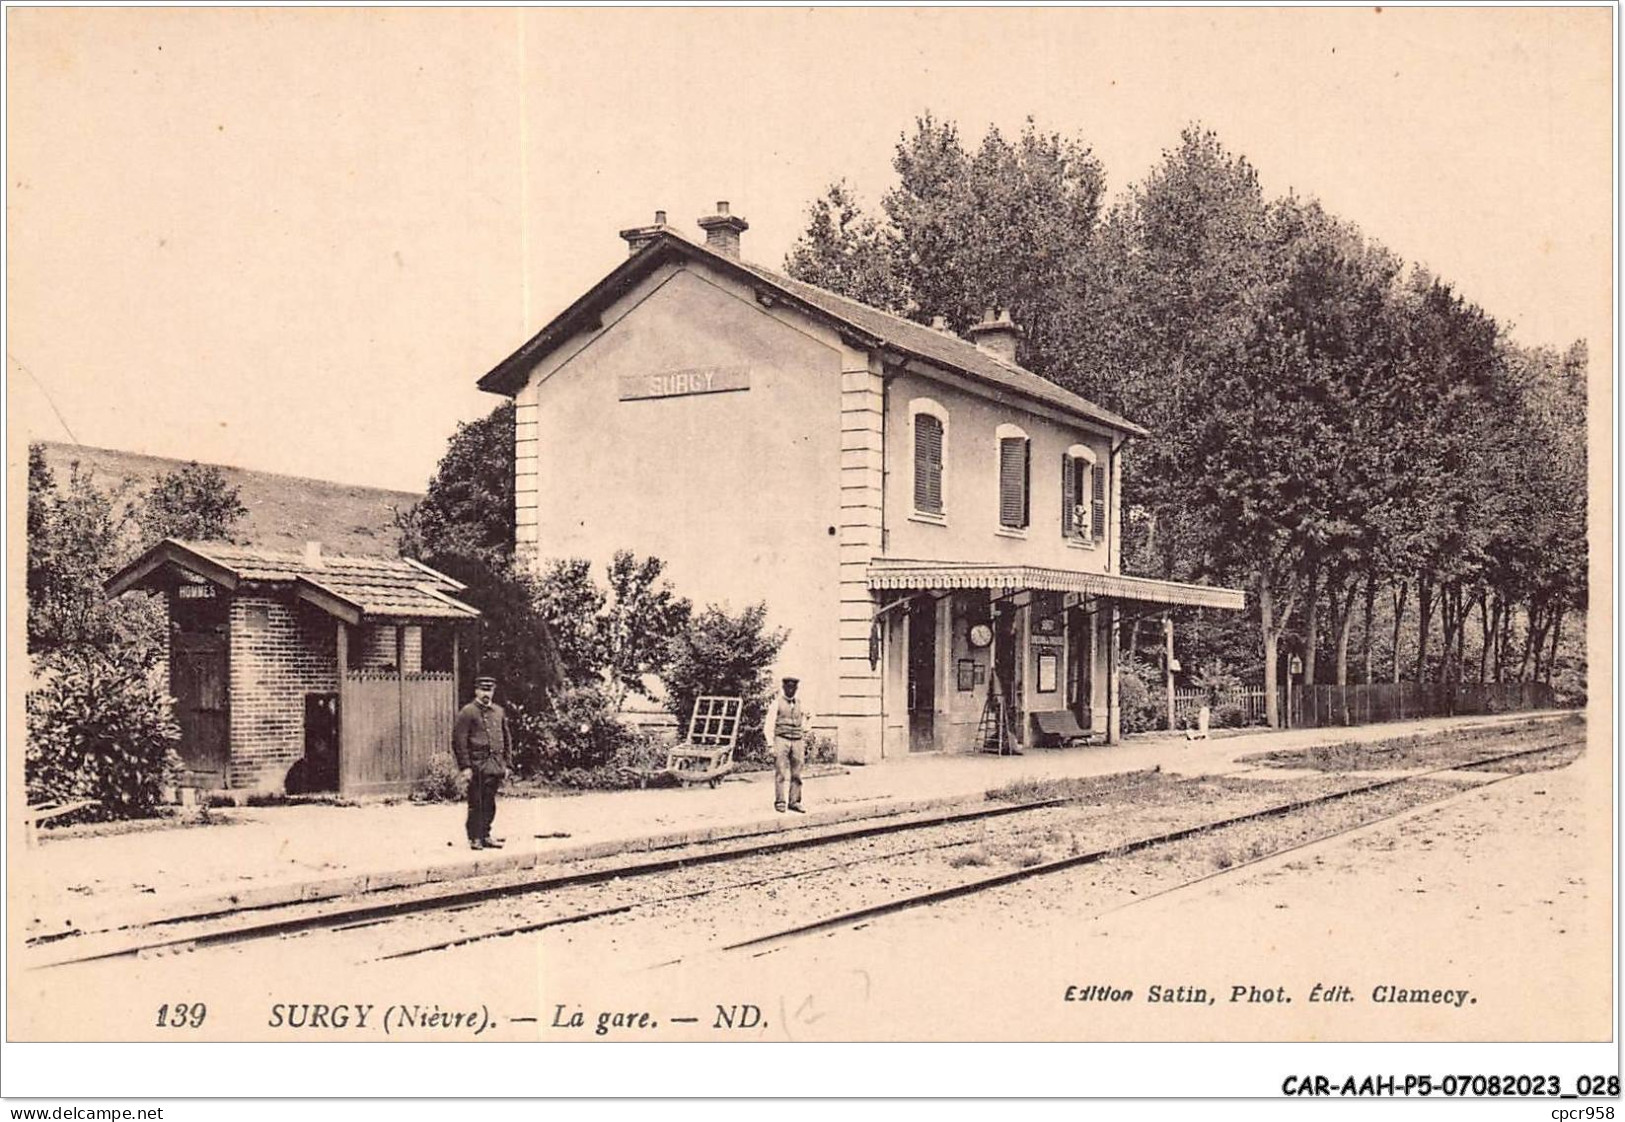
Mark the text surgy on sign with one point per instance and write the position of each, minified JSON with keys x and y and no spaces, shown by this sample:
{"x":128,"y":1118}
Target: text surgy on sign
{"x":681,"y":383}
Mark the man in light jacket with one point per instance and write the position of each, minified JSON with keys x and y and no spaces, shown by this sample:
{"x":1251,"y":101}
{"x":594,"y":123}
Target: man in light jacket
{"x":789,"y":723}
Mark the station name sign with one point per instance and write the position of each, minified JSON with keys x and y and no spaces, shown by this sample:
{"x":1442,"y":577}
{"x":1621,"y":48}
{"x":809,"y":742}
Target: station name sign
{"x":682,"y":383}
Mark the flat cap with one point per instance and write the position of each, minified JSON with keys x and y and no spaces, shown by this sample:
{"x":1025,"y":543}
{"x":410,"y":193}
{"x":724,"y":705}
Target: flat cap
{"x":483,"y":681}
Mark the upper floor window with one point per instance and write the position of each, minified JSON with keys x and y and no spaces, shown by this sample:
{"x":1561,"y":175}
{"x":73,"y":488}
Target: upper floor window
{"x":1083,"y":495}
{"x":930,"y":424}
{"x":1015,"y":471}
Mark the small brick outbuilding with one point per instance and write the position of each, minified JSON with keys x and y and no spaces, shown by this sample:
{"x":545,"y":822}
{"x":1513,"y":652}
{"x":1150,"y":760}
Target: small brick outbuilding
{"x":305,"y":672}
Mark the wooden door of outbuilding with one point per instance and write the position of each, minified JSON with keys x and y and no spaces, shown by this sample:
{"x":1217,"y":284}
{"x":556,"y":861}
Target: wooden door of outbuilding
{"x":198,"y":681}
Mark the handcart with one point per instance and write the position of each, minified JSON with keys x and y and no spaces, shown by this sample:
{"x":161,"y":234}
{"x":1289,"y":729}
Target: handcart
{"x":708,"y":753}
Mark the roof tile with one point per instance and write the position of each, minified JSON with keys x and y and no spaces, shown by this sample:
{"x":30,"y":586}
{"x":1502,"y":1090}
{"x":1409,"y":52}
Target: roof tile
{"x":379,"y":586}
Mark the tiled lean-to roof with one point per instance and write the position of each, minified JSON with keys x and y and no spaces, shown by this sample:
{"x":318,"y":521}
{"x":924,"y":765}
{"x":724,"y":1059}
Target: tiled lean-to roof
{"x":352,"y":588}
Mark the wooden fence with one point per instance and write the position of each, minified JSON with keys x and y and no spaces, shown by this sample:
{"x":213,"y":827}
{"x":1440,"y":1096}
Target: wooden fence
{"x":390,"y":725}
{"x":1321,"y":706}
{"x":1187,"y":702}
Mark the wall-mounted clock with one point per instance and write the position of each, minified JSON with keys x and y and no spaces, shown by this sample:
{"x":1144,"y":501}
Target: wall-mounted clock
{"x":981,"y":635}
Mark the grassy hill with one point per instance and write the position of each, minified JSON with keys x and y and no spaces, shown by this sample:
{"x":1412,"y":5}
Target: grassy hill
{"x":284,"y":511}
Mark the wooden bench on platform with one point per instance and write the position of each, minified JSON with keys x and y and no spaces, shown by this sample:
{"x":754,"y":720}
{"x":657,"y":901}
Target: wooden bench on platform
{"x":1054,"y":728}
{"x":43,"y":812}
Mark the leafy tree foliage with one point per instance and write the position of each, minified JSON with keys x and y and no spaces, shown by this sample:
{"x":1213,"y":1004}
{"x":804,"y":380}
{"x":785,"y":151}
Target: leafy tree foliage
{"x":642,"y":617}
{"x":98,"y":718}
{"x":469,"y":507}
{"x":1005,"y":226}
{"x":721,"y":653}
{"x":463,"y":527}
{"x":1328,"y":423}
{"x":192,"y":503}
{"x":848,"y":252}
{"x":1182,"y":268}
{"x":514,"y":643}
{"x":570,"y":602}
{"x":78,"y":535}
{"x":616,"y":636}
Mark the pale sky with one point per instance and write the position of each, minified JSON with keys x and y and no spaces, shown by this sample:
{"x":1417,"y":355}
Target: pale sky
{"x":292,"y":239}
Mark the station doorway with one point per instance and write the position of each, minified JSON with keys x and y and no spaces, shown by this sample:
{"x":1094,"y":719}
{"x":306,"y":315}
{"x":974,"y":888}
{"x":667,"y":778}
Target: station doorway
{"x":922,"y":674}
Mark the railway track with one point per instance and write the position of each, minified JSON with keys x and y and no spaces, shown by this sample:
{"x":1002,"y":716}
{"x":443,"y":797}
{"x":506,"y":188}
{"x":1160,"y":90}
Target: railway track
{"x":862,"y":915}
{"x":921,"y":833}
{"x":196,"y":932}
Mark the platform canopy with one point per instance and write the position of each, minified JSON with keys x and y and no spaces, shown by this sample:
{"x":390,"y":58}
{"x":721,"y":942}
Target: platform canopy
{"x":349,"y":588}
{"x":947,"y":575}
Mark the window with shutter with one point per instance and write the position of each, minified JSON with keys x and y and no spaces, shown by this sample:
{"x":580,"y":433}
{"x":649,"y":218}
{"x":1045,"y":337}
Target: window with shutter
{"x":927,"y":463}
{"x":1099,"y":527}
{"x":1013,"y":471}
{"x":1077,"y":476}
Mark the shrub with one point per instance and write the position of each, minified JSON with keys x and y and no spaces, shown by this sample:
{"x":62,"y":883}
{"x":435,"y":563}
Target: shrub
{"x":820,"y":749}
{"x":638,"y":752}
{"x":443,"y":782}
{"x":528,"y":724}
{"x":641,"y":751}
{"x":98,"y":728}
{"x":1218,"y":677}
{"x":728,"y":655}
{"x":580,"y":731}
{"x":1142,"y":710}
{"x":1228,"y":716}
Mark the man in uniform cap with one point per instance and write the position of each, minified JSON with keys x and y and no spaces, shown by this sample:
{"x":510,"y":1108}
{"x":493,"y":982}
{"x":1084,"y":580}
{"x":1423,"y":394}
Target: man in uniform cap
{"x":788,"y":724}
{"x":482,"y":744}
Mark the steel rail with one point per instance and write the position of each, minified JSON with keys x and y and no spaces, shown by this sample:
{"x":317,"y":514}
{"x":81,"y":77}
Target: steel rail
{"x":710,"y":890}
{"x":534,"y":926}
{"x":999,"y":880}
{"x":1321,"y":839}
{"x":343,"y":913}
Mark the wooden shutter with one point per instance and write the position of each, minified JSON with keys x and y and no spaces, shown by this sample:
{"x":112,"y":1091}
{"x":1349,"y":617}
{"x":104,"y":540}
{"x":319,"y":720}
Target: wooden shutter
{"x":927,"y":463}
{"x":1026,"y":483}
{"x":1013,"y":482}
{"x":1069,"y":494}
{"x":1099,"y":527}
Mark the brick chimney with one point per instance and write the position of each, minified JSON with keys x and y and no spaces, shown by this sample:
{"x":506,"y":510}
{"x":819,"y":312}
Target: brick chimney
{"x":996,"y":336}
{"x":722,"y":231}
{"x":639,"y":236}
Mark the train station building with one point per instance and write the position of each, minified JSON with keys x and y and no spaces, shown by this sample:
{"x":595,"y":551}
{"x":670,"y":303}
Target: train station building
{"x":937,"y":527}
